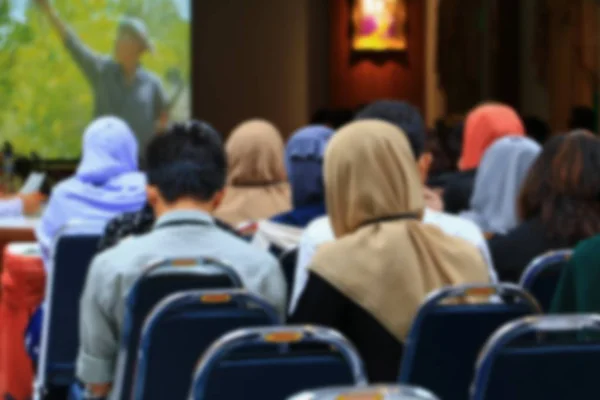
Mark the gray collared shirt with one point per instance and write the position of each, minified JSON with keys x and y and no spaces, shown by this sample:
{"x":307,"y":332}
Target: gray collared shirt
{"x":113,"y":273}
{"x":140,"y":103}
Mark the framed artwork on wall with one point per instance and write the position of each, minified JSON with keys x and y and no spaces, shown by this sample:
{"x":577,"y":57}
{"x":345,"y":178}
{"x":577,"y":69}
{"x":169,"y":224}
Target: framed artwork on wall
{"x":379,"y":25}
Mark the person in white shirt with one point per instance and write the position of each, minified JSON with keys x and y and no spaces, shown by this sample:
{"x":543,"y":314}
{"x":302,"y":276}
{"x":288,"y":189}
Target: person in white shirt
{"x":18,"y":206}
{"x":409,"y":120}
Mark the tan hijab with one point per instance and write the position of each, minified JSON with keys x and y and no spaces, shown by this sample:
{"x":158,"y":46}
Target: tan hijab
{"x":256,"y":185}
{"x":384,"y":263}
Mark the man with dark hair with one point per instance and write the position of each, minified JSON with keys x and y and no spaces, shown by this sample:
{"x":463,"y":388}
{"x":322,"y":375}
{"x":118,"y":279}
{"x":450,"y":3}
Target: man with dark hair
{"x":408,"y":119}
{"x":186,"y":177}
{"x":404,"y":115}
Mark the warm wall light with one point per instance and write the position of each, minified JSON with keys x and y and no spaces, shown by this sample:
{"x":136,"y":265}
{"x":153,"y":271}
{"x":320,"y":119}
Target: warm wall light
{"x":379,"y":25}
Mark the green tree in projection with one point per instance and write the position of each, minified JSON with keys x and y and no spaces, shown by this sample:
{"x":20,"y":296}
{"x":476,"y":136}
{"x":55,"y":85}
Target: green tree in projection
{"x":45,"y":101}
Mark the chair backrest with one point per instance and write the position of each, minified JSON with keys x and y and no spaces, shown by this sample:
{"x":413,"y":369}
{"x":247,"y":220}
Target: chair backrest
{"x":445,"y":339}
{"x":158,"y":282}
{"x":542,"y":275}
{"x":552,"y":357}
{"x":181,"y":327}
{"x":274,"y":363}
{"x":74,"y":248}
{"x":287,"y":260}
{"x":377,"y":392}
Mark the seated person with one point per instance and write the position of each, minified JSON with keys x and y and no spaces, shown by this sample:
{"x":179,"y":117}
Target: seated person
{"x":137,"y":223}
{"x":370,"y":283}
{"x":304,"y":162}
{"x":411,"y":125}
{"x":557,"y":207}
{"x":499,"y":178}
{"x":186,"y":176}
{"x":23,"y":204}
{"x":107,"y":182}
{"x":257,"y":186}
{"x":484,"y":125}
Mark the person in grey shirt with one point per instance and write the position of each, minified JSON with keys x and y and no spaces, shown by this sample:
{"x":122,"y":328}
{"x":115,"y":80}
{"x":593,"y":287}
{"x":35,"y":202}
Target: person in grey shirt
{"x":186,"y":177}
{"x":120,"y":85}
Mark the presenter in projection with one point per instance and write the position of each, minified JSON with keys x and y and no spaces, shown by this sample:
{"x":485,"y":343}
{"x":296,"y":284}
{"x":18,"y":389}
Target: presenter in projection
{"x":121,"y":86}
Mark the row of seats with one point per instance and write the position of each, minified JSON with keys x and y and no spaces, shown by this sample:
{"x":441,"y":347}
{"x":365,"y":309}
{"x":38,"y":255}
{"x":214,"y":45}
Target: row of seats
{"x":174,"y":314}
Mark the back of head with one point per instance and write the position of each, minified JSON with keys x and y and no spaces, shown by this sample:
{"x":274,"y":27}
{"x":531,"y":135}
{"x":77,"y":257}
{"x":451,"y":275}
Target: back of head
{"x":385,"y":255}
{"x":370,"y":173}
{"x":401,"y":114}
{"x":304,"y":154}
{"x":187,"y":161}
{"x":484,"y":125}
{"x":109,"y":149}
{"x":500,"y":176}
{"x":537,"y":129}
{"x":255,"y":154}
{"x":563,"y":186}
{"x":583,"y":118}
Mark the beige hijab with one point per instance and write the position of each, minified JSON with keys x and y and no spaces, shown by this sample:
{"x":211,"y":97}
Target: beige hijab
{"x":256,"y":186}
{"x":385,"y":263}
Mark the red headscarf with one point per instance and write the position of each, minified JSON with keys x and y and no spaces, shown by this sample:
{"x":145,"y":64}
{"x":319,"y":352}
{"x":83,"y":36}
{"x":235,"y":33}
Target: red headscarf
{"x":484,"y":125}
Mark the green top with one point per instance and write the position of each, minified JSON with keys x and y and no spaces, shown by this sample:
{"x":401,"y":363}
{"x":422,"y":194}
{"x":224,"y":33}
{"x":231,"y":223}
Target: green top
{"x":579,"y":288}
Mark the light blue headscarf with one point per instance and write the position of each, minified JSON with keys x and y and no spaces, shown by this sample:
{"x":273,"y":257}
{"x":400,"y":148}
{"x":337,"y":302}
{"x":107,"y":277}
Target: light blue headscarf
{"x":107,"y":182}
{"x":304,"y":163}
{"x":499,"y":177}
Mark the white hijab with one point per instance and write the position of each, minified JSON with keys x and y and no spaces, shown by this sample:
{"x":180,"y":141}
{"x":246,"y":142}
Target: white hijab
{"x":499,"y":178}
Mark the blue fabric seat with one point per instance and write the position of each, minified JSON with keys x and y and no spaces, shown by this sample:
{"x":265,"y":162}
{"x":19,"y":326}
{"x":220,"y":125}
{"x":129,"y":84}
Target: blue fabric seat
{"x":272,"y":364}
{"x":543,"y":366}
{"x":157,"y":283}
{"x":542,"y":275}
{"x":444,"y":341}
{"x":73,"y":254}
{"x":181,"y":328}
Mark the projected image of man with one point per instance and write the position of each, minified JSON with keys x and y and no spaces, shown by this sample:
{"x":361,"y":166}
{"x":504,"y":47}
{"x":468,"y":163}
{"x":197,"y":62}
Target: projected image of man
{"x":120,"y":85}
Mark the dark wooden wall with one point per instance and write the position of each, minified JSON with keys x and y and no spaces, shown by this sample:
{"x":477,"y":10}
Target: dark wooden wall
{"x":355,"y":81}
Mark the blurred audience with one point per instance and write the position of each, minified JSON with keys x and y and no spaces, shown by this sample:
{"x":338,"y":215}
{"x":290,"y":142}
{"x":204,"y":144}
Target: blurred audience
{"x":106,"y":183}
{"x":558,"y":204}
{"x":186,"y":175}
{"x":411,"y":126}
{"x":257,"y":186}
{"x":484,"y":125}
{"x":499,"y":178}
{"x":375,"y":203}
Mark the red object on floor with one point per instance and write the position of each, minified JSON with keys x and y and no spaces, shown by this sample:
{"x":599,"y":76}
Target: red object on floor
{"x":23,"y":285}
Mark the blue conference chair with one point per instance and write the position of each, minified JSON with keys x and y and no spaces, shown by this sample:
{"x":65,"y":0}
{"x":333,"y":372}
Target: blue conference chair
{"x":552,"y":357}
{"x":445,"y":339}
{"x":274,"y":363}
{"x":74,"y":250}
{"x":159,"y":281}
{"x":378,"y":392}
{"x":181,"y":328}
{"x":542,"y":275}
